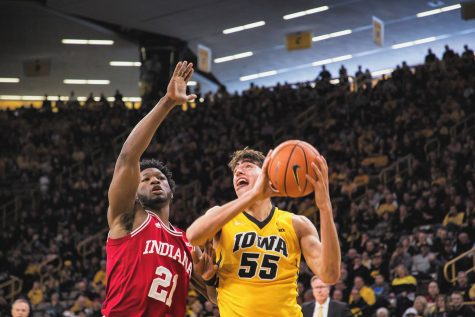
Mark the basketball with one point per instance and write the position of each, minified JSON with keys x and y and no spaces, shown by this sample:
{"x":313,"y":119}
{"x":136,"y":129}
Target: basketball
{"x":289,"y":163}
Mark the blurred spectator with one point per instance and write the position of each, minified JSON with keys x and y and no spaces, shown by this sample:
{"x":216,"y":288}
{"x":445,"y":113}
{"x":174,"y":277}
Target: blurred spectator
{"x":322,"y":305}
{"x":20,"y":308}
{"x":457,"y":308}
{"x":36,"y":294}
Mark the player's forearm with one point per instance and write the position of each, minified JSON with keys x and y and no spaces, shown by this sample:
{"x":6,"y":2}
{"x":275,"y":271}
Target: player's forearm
{"x":141,"y":136}
{"x":331,"y":256}
{"x":208,"y":225}
{"x":212,"y":294}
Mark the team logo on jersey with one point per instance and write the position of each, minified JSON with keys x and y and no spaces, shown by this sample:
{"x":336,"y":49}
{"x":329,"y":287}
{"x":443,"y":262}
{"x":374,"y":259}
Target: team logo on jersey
{"x":244,"y":240}
{"x":169,"y":250}
{"x":159,"y":226}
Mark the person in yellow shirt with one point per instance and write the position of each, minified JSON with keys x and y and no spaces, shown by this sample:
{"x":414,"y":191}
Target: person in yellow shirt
{"x":36,"y":294}
{"x":454,"y":217}
{"x":365,"y":292}
{"x":258,"y":246}
{"x":403,"y":282}
{"x":100,"y":277}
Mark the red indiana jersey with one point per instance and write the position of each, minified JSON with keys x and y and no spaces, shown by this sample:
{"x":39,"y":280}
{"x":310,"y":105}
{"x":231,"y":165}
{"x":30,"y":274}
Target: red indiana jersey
{"x":148,"y":272}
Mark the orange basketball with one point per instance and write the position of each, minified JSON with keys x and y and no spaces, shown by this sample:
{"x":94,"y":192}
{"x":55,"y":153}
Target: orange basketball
{"x":289,"y":163}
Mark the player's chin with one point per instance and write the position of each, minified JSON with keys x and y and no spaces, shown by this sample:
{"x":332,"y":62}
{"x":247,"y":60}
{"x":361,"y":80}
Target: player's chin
{"x":241,"y":190}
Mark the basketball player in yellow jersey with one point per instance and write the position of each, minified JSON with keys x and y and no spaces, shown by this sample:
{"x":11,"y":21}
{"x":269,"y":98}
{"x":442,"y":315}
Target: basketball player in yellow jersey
{"x":258,"y":247}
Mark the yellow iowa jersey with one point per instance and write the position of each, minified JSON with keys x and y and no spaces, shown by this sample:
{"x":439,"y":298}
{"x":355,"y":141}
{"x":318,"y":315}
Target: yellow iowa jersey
{"x":258,"y":267}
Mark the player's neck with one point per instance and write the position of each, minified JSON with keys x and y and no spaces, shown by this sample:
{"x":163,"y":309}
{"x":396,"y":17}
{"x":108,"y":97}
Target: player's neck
{"x":260,"y":209}
{"x":162,"y":212}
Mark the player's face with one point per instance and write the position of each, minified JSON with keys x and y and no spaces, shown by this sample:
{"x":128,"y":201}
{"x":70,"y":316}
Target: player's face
{"x":245,"y":176}
{"x":321,"y":291}
{"x":153,"y":187}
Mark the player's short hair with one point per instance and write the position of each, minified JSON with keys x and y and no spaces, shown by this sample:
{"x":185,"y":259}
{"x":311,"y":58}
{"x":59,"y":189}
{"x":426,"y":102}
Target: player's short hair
{"x":162,"y":167}
{"x":247,"y":154}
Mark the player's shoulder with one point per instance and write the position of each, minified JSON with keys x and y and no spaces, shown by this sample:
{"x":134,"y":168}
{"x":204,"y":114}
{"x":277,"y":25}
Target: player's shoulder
{"x":301,"y":224}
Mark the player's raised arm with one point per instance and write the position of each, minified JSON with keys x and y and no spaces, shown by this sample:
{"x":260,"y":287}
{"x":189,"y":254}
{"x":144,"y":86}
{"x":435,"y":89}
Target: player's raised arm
{"x":323,"y":257}
{"x":126,"y":176}
{"x":207,"y":226}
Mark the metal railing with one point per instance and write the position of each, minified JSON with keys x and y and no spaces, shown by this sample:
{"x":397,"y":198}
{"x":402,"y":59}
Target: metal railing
{"x":431,"y":146}
{"x":84,"y":247}
{"x":450,"y":272}
{"x":11,"y":288}
{"x":49,"y":266}
{"x":398,"y":168}
{"x":463,"y":126}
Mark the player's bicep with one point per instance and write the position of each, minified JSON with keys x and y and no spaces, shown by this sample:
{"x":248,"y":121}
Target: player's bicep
{"x":309,"y":243}
{"x":123,"y":188}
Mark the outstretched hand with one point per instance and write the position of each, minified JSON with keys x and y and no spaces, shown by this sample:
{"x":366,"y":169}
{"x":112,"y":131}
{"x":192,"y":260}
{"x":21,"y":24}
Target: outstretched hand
{"x":176,"y":89}
{"x":320,"y":183}
{"x":205,"y":265}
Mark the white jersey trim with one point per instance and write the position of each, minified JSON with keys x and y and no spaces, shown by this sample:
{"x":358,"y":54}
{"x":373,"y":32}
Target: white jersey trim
{"x":164,"y":226}
{"x":141,"y":227}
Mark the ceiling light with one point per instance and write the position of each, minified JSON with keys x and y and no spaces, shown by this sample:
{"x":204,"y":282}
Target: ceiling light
{"x":119,"y":63}
{"x":191,"y":83}
{"x":9,"y":80}
{"x":412,"y":43}
{"x":305,"y":12}
{"x":332,"y":60}
{"x":132,"y":99}
{"x":382,"y":72}
{"x":87,"y":42}
{"x":258,"y":75}
{"x":244,"y":27}
{"x":232,"y":57}
{"x":437,"y":11}
{"x":86,"y":81}
{"x":10,"y":97}
{"x":331,"y":35}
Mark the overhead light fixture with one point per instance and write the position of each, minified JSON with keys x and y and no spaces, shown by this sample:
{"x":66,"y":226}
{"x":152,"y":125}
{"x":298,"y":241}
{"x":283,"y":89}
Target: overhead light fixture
{"x":86,"y":81}
{"x":305,"y":12}
{"x":258,"y":75}
{"x":412,"y":43}
{"x":244,"y":27}
{"x":381,"y":72}
{"x":332,"y":60}
{"x":17,"y":98}
{"x":9,"y":80}
{"x":331,"y":35}
{"x":232,"y":57}
{"x":63,"y":98}
{"x":87,"y":42}
{"x":437,"y":11}
{"x":119,"y":63}
{"x":191,"y":83}
{"x":132,"y":99}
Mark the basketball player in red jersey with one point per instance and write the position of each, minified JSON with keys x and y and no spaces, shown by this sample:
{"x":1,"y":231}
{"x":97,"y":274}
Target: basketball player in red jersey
{"x":149,"y":261}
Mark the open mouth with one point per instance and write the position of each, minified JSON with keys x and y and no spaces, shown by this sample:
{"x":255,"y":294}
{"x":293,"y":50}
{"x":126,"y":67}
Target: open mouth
{"x":241,"y":182}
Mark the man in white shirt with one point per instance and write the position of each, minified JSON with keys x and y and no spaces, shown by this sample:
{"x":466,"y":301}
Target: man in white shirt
{"x":323,"y":306}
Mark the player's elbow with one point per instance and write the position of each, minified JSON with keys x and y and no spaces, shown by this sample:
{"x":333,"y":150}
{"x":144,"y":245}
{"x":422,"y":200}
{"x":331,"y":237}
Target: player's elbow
{"x":330,"y":276}
{"x":194,"y":237}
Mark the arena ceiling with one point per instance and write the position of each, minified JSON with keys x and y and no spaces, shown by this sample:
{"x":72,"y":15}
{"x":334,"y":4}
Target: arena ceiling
{"x":203,"y":22}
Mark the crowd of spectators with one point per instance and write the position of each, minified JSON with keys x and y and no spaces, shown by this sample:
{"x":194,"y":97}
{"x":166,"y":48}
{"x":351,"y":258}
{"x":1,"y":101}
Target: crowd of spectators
{"x":395,"y":236}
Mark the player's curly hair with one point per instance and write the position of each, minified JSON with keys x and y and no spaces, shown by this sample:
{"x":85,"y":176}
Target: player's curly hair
{"x":162,"y":167}
{"x":256,"y":157}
